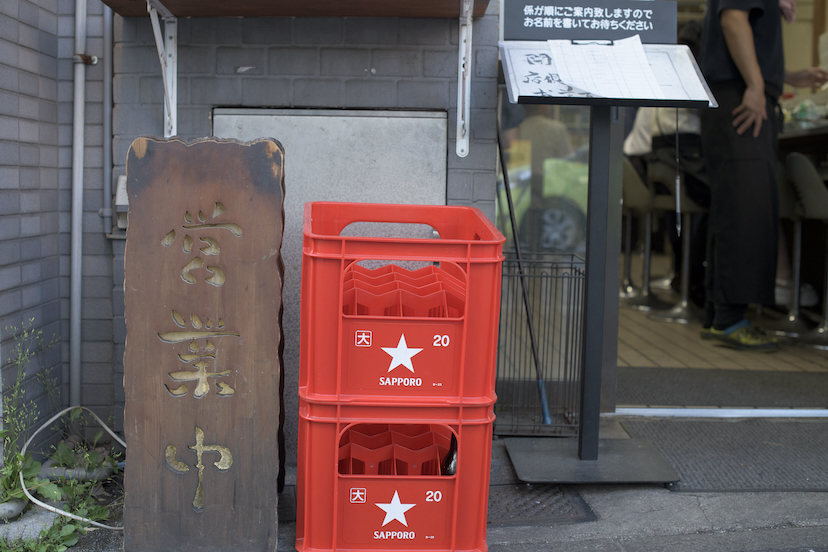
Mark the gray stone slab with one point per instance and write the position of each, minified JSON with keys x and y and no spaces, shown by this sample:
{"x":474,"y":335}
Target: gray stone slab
{"x":619,"y":461}
{"x":28,"y":525}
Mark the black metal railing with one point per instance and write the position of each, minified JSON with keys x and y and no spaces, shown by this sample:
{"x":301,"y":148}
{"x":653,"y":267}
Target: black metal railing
{"x":552,"y":311}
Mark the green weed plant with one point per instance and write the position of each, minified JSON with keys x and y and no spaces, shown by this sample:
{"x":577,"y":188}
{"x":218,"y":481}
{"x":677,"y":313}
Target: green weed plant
{"x":19,"y":416}
{"x":73,"y":452}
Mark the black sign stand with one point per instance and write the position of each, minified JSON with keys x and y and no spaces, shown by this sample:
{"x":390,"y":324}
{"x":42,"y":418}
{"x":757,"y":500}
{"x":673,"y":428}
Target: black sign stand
{"x":627,"y":460}
{"x":602,"y":261}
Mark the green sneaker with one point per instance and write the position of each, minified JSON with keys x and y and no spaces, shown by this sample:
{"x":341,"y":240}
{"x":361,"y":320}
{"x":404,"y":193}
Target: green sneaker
{"x":746,"y":337}
{"x":710,"y":333}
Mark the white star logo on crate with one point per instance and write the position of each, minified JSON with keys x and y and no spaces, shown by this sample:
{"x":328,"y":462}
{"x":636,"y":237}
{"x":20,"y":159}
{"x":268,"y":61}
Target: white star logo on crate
{"x":401,"y":354}
{"x":395,"y":510}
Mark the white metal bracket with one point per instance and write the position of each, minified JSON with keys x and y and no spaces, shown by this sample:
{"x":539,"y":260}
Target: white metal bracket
{"x":167,"y":46}
{"x":464,"y":78}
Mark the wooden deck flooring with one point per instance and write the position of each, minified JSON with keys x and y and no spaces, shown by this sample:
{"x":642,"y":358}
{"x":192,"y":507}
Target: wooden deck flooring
{"x":643,"y":342}
{"x":647,"y":343}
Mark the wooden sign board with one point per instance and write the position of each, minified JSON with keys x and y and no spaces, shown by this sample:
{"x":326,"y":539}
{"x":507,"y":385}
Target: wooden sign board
{"x":202,"y":367}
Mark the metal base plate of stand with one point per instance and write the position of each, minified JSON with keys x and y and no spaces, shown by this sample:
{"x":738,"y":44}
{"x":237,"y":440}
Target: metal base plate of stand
{"x":664,"y":283}
{"x":816,"y":338}
{"x":683,"y":313}
{"x":793,"y":325}
{"x":646,"y":301}
{"x":628,"y":290}
{"x":550,"y":460}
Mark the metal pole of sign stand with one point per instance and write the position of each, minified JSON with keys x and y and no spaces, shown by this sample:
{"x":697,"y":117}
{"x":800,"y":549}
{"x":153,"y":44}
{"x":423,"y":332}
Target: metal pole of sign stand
{"x":599,"y":120}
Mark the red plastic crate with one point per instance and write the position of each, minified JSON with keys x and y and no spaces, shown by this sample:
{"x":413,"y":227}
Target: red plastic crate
{"x":363,"y":485}
{"x":396,"y":335}
{"x":430,"y":292}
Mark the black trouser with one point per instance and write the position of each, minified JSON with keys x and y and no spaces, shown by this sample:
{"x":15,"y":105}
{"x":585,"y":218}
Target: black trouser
{"x":744,"y":208}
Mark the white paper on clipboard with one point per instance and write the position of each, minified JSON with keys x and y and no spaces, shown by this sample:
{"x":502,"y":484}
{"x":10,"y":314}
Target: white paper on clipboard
{"x":609,"y":69}
{"x":532,"y":69}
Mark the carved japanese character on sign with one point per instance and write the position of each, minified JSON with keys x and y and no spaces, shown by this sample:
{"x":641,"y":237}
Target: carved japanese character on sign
{"x":223,"y":464}
{"x":198,"y":355}
{"x":217,"y":276}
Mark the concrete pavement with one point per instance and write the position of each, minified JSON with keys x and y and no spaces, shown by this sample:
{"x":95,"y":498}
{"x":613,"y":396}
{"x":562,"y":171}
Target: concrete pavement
{"x":628,"y":518}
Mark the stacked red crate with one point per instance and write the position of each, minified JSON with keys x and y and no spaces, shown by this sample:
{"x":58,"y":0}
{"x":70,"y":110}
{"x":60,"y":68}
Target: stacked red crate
{"x":396,"y":379}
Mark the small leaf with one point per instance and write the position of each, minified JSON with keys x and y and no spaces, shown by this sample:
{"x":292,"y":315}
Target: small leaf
{"x":50,"y":491}
{"x":30,"y":469}
{"x":98,"y":513}
{"x":94,"y":459}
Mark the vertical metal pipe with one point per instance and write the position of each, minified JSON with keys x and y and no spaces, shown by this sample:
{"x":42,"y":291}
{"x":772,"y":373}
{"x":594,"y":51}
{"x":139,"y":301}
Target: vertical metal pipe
{"x":796,"y":283}
{"x":823,"y":327}
{"x":76,"y":264}
{"x":628,"y":248}
{"x":648,"y":245}
{"x":685,"y":261}
{"x":107,"y":119}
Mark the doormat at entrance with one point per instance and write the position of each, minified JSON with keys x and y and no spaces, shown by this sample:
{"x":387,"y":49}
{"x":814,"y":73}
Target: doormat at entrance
{"x":525,"y":505}
{"x":725,"y":388}
{"x":740,"y":455}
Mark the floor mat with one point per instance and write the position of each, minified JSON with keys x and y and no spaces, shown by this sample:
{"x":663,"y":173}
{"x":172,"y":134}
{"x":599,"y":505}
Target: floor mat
{"x":536,"y":505}
{"x":726,"y":388}
{"x":741,"y":455}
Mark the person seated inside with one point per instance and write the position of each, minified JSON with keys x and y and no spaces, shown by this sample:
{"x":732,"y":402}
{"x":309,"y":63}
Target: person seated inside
{"x":653,"y":138}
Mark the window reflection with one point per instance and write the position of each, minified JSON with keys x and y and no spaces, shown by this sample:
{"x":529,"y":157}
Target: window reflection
{"x":546,"y":148}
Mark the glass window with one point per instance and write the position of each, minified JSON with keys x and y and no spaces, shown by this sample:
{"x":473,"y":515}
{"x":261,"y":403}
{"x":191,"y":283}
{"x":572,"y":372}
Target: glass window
{"x":546,"y":148}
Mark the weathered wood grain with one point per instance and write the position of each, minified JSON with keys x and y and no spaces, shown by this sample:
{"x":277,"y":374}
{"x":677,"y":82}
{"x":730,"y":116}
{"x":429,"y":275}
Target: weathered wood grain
{"x":203,"y":284}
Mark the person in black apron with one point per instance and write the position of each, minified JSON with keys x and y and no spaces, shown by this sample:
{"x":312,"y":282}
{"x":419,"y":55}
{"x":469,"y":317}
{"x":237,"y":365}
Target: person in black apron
{"x":743,"y":61}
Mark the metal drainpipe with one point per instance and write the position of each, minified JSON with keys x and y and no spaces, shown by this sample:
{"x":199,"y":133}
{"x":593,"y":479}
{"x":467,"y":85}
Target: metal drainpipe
{"x":107,"y":119}
{"x":76,"y":273}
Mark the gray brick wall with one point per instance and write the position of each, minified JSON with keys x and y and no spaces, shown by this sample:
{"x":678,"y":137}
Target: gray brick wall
{"x":30,"y":287}
{"x":36,"y":89}
{"x":312,"y":62}
{"x":355,"y":63}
